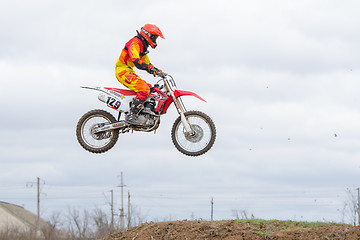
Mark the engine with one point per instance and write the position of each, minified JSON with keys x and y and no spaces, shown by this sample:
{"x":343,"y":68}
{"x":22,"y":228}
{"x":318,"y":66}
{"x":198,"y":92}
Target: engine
{"x":147,"y":116}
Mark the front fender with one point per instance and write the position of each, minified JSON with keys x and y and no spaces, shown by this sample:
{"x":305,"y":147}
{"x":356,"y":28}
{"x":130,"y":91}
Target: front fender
{"x":179,"y":93}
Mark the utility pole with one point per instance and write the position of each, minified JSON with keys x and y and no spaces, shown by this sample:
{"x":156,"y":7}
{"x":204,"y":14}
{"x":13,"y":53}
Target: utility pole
{"x":38,"y":208}
{"x":122,"y":222}
{"x":212,"y":209}
{"x":38,"y":203}
{"x":129,"y":211}
{"x":30,"y":184}
{"x":112,"y":209}
{"x":358,"y":206}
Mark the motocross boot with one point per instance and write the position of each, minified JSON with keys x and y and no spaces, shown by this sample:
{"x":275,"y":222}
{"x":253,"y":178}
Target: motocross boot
{"x":136,"y":106}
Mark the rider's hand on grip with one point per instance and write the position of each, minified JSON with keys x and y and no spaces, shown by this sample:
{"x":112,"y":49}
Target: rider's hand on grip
{"x":157,"y":72}
{"x":154,"y":71}
{"x":162,"y":74}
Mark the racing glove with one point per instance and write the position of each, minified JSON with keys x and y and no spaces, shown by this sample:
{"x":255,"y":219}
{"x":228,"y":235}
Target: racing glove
{"x":154,"y":71}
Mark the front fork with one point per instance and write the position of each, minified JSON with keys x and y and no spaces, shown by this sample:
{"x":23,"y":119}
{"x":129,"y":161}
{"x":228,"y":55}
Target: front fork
{"x":181,"y":110}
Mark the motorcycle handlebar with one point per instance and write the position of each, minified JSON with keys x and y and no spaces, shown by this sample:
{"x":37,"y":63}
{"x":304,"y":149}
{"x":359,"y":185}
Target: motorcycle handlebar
{"x":162,"y":74}
{"x":164,"y":77}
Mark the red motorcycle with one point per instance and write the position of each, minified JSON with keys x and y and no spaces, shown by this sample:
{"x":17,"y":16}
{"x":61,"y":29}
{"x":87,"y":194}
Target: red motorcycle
{"x":193,"y":133}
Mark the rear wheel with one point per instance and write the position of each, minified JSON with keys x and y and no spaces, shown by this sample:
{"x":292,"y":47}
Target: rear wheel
{"x":96,"y":142}
{"x":201,"y":140}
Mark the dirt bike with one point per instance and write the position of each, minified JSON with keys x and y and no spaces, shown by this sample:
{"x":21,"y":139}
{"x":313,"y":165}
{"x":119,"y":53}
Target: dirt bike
{"x":193,"y":133}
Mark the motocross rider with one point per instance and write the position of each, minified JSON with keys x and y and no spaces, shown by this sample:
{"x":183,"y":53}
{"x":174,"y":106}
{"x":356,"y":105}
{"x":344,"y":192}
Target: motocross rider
{"x":135,"y":54}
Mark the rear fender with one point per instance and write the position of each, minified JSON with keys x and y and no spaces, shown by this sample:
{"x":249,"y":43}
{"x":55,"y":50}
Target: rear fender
{"x":117,"y":99}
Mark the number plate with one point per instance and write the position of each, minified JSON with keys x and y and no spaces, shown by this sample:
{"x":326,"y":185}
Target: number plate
{"x":112,"y":102}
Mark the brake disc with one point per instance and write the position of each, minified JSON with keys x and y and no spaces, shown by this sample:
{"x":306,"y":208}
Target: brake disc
{"x":196,"y":136}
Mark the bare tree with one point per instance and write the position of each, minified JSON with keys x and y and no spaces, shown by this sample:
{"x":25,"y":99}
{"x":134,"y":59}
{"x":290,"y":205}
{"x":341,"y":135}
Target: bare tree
{"x":350,"y":208}
{"x":78,"y":223}
{"x":136,"y":217}
{"x":50,"y":230}
{"x":102,"y":223}
{"x":13,"y":233}
{"x":241,"y":214}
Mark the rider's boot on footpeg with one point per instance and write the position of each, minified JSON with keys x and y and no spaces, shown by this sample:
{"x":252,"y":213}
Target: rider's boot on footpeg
{"x":136,"y":107}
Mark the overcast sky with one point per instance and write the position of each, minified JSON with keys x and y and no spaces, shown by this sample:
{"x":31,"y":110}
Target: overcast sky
{"x":281,"y":80}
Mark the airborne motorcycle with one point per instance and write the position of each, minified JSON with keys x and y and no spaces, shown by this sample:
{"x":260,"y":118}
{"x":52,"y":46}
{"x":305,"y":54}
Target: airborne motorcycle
{"x":193,"y":133}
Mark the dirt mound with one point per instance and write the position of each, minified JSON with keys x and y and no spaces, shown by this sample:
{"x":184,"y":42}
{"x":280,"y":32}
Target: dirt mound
{"x":243,"y":230}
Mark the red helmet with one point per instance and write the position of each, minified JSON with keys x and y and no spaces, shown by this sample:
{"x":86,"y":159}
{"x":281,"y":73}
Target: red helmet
{"x":151,"y":32}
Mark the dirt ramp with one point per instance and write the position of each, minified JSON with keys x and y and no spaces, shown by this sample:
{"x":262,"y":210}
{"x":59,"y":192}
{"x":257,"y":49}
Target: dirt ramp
{"x":234,"y":230}
{"x":182,"y":230}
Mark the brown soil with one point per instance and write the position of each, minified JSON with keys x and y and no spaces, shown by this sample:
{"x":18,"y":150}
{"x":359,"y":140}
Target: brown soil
{"x":231,"y":230}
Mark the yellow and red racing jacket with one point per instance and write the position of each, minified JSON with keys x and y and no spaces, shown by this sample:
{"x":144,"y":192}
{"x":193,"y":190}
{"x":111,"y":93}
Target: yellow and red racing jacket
{"x":134,"y":54}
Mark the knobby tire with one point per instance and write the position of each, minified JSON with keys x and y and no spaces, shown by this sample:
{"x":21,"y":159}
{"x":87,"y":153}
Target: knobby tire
{"x":178,"y":124}
{"x":80,"y":130}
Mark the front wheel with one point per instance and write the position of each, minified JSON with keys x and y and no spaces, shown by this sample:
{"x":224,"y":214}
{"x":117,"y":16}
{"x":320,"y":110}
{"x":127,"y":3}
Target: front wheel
{"x":96,"y":142}
{"x":202,"y":139}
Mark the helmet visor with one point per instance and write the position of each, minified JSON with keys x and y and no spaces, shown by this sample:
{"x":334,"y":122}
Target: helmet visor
{"x":153,"y":38}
